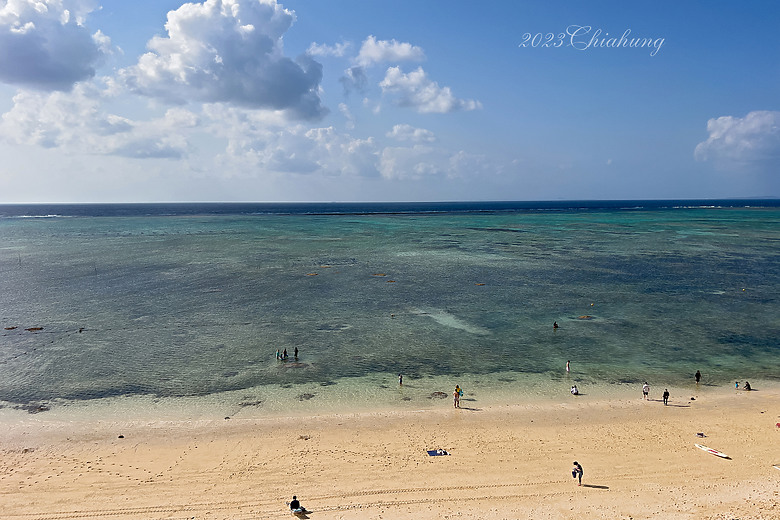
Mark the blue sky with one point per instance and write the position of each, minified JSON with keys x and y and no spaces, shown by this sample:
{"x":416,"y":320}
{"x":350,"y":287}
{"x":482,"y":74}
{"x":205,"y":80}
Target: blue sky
{"x":356,"y":100}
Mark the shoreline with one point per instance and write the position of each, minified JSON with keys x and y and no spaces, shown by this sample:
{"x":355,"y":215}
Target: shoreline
{"x":349,"y":397}
{"x":507,"y":461}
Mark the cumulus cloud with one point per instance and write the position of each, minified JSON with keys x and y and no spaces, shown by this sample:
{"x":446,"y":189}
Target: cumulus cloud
{"x":354,"y":78}
{"x":415,"y":162}
{"x":345,"y":111}
{"x":417,"y":91}
{"x":75,"y":121}
{"x":260,"y":144}
{"x":340,"y":154}
{"x":422,"y":161}
{"x":44,"y":44}
{"x":377,"y":51}
{"x":229,"y":51}
{"x":752,"y":139}
{"x":410,"y":133}
{"x":374,"y":51}
{"x":338,"y":50}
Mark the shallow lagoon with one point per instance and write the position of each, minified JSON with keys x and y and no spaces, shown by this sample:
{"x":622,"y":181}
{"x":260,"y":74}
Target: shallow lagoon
{"x":165,"y":310}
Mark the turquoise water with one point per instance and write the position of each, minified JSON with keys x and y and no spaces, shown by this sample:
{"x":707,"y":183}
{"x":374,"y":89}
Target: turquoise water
{"x":190,"y":307}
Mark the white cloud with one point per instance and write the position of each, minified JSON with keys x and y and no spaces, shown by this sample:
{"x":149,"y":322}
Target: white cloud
{"x":377,"y":51}
{"x":417,"y":91}
{"x":229,"y":51}
{"x":410,"y":133}
{"x":416,"y":162}
{"x":340,"y":154}
{"x":338,"y":50}
{"x":464,"y":165}
{"x":421,"y":161}
{"x":44,"y":44}
{"x":258,"y":145}
{"x":753,"y":139}
{"x":75,"y":121}
{"x":350,"y":119}
{"x":374,"y":51}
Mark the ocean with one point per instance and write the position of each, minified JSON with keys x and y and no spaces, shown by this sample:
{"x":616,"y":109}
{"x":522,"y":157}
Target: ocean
{"x":177,"y":310}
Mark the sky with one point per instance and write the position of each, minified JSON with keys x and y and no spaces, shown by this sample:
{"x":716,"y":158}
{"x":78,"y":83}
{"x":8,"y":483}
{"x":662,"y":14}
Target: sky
{"x":368,"y":100}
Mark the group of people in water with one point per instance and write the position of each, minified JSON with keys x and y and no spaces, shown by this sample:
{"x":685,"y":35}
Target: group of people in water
{"x":283,"y":355}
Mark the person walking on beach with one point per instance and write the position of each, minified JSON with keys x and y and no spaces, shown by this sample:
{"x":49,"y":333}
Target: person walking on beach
{"x":697,"y":377}
{"x":456,"y":396}
{"x":645,"y":390}
{"x":576,"y":472}
{"x":666,"y":396}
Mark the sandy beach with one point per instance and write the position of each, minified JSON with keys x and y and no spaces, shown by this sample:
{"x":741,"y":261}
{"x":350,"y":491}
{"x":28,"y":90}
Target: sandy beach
{"x":508,"y":461}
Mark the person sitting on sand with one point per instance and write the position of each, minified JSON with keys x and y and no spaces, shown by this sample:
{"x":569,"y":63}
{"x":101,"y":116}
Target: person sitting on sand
{"x":295,"y":506}
{"x":747,"y":385}
{"x":575,"y":390}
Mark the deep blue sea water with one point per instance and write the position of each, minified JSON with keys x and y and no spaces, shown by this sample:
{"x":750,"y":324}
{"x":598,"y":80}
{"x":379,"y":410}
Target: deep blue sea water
{"x":191,"y":301}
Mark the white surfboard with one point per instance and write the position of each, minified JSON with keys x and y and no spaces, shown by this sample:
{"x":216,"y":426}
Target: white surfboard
{"x":710,"y":450}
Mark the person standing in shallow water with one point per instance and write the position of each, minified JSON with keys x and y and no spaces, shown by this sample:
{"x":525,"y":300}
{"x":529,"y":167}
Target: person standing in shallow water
{"x":697,"y":377}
